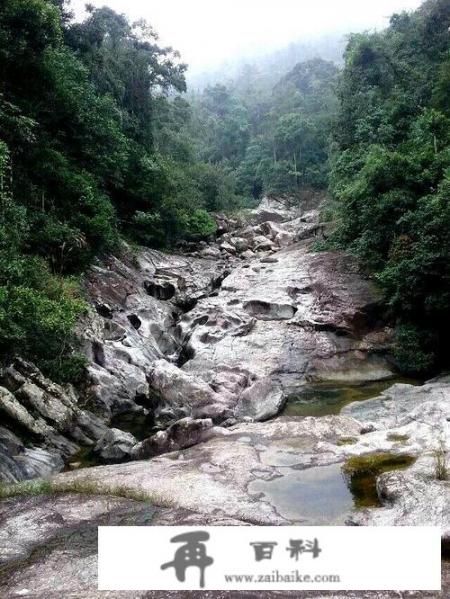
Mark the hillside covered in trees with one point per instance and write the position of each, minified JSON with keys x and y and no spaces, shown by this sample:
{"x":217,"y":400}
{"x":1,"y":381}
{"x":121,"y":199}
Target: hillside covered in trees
{"x":275,"y":139}
{"x":101,"y":140}
{"x":391,"y":174}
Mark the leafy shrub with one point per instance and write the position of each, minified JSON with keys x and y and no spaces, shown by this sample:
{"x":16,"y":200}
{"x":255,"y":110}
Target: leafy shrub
{"x":38,"y":323}
{"x":199,"y":225}
{"x":413,"y":350}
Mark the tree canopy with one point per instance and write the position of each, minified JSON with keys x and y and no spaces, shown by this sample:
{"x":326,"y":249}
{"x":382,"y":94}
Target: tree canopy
{"x":94,"y":145}
{"x":274,"y":138}
{"x":391,"y":173}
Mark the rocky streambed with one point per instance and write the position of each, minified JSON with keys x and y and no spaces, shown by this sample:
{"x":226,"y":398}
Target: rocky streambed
{"x":245,"y":381}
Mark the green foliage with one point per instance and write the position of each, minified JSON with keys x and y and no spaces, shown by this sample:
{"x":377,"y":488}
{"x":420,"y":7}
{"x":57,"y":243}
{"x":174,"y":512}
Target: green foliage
{"x":172,"y":222}
{"x":391,"y":174}
{"x":94,"y":143}
{"x":413,"y":350}
{"x":277,"y":140}
{"x":199,"y":224}
{"x":38,"y":309}
{"x":224,"y":126}
{"x":294,"y":144}
{"x":71,"y":368}
{"x":34,"y":324}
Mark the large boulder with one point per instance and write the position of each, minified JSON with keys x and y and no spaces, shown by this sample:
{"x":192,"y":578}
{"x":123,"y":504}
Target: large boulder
{"x":115,"y":446}
{"x":240,"y":244}
{"x":186,"y":394}
{"x":261,"y":401}
{"x":275,"y":210}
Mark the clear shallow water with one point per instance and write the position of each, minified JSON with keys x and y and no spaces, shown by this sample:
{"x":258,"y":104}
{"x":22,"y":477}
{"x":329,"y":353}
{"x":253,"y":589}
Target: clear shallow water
{"x":361,"y":472}
{"x":323,"y":399}
{"x":314,"y":496}
{"x":326,"y":495}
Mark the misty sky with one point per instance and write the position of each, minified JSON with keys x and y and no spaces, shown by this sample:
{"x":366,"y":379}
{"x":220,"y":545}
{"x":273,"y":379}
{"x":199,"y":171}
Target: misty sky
{"x":211,"y":32}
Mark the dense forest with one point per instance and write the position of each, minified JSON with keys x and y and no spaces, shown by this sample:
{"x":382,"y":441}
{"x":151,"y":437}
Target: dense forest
{"x":275,"y":139}
{"x":100,"y":140}
{"x":391,"y":174}
{"x":93,"y":146}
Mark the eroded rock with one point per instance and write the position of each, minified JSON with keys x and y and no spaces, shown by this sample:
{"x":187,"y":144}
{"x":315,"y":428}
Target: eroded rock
{"x":185,"y":393}
{"x":305,"y":316}
{"x":180,"y":435}
{"x":258,"y":471}
{"x":45,"y":424}
{"x":115,"y":446}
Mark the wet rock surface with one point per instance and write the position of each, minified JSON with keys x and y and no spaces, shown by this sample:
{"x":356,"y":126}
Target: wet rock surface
{"x":219,"y":472}
{"x":292,"y":470}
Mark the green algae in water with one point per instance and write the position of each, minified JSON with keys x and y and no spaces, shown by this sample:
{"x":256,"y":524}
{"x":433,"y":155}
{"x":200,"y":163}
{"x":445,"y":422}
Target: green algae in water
{"x":346,"y":441}
{"x":361,"y":472}
{"x":324,"y":399}
{"x":327,"y":495}
{"x":396,"y":438}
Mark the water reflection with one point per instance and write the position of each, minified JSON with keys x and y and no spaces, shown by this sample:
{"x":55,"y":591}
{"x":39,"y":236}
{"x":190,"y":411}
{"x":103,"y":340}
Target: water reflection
{"x":323,"y":399}
{"x":326,"y":495}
